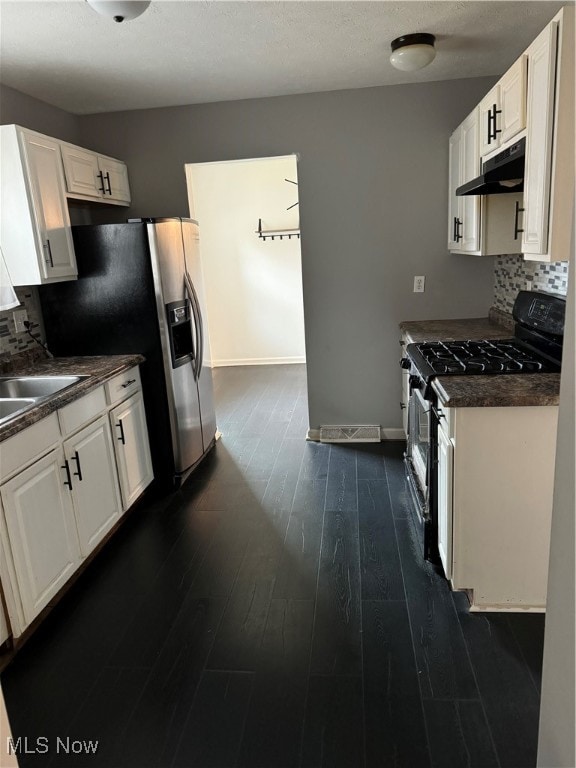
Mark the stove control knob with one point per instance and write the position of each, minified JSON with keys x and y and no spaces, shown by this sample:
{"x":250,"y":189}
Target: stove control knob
{"x":406,"y":363}
{"x":414,"y":382}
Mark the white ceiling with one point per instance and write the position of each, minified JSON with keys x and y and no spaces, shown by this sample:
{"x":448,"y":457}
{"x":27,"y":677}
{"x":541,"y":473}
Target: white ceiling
{"x":195,"y":51}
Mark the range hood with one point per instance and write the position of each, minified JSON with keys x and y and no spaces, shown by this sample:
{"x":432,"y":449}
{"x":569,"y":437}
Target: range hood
{"x":502,"y":173}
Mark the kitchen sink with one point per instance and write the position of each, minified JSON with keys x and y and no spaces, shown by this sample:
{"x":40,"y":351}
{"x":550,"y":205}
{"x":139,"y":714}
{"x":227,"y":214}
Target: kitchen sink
{"x":13,"y":405}
{"x":18,"y":387}
{"x":18,"y":393}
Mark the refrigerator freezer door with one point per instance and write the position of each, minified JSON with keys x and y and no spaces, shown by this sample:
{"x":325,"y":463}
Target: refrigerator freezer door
{"x":167,"y":250}
{"x":191,"y":238}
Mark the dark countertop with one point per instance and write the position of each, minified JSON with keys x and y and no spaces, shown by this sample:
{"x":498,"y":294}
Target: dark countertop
{"x":97,"y":369}
{"x":483,"y":390}
{"x":455,"y":330}
{"x":498,"y":391}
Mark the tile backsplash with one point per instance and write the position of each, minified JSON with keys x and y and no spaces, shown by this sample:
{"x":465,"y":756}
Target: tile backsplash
{"x":11,"y":343}
{"x":512,"y":273}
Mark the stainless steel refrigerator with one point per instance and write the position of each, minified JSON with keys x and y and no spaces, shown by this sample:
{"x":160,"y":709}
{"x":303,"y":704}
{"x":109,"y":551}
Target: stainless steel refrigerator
{"x":139,"y":289}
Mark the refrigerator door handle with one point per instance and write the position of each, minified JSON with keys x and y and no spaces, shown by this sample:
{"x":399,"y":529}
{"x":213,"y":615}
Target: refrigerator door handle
{"x":197,"y":324}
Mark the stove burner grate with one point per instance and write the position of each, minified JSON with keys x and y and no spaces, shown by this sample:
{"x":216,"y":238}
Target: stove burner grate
{"x":478,"y":357}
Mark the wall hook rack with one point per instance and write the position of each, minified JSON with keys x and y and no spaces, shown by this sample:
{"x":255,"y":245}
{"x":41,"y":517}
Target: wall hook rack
{"x":267,"y":234}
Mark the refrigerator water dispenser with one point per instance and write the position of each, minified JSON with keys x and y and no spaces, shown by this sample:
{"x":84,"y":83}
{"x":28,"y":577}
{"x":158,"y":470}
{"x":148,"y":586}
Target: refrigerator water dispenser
{"x":180,"y":332}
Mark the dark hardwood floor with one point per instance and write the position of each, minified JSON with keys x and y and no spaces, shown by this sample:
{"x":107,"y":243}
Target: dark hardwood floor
{"x":276,"y":612}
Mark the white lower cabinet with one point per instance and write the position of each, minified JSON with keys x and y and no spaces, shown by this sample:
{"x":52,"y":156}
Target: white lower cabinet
{"x":40,"y":522}
{"x":495,"y":489}
{"x":78,"y":476}
{"x":90,"y":462}
{"x":132,"y":449}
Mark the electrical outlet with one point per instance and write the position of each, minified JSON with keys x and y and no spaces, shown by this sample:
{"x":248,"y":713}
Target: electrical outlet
{"x":528,"y":285}
{"x":419,"y":284}
{"x":19,"y":317}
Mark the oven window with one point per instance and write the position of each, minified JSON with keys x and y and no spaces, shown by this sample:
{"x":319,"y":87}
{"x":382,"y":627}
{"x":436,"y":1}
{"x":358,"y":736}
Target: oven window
{"x":419,"y":434}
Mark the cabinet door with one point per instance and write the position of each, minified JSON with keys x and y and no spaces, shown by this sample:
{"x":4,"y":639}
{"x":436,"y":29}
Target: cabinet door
{"x":445,"y":465}
{"x":454,"y":182}
{"x":82,"y":172}
{"x":40,"y":522}
{"x":489,"y":107}
{"x":132,"y":448}
{"x":46,"y":180}
{"x":469,"y":169}
{"x":115,"y":179}
{"x":95,"y":495}
{"x":540,"y":118}
{"x":513,"y":99}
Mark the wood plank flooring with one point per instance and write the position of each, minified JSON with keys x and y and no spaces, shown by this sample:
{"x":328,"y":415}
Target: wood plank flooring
{"x":276,"y":613}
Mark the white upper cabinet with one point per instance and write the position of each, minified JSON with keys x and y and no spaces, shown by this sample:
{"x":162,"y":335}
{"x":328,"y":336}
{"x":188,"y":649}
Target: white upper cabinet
{"x":489,"y":112}
{"x":95,"y":177}
{"x":503,"y":109}
{"x":535,"y":98}
{"x":464,"y":212}
{"x":479,"y":226}
{"x":541,"y":80}
{"x":513,"y":100}
{"x":35,"y":233}
{"x":549,"y":173}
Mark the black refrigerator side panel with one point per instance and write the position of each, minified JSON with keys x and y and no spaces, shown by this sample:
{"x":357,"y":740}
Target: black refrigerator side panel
{"x":111,"y":310}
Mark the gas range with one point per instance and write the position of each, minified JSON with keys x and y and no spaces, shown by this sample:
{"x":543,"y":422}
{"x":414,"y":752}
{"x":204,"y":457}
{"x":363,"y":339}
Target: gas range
{"x":536,"y":346}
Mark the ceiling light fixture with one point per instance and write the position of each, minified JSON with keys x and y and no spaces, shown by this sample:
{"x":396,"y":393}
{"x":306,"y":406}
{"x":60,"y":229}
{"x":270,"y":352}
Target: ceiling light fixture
{"x":119,"y":10}
{"x":412,"y":52}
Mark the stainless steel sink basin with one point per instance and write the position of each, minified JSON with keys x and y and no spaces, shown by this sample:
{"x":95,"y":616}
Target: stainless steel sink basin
{"x":14,"y":405}
{"x":18,"y":393}
{"x":34,"y":386}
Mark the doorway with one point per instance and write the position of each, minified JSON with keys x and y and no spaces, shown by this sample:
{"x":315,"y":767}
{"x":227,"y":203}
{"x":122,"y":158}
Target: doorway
{"x":253,"y":282}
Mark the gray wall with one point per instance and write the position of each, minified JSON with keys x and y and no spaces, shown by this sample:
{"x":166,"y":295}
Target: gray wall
{"x":373,"y":206}
{"x":16,"y":107}
{"x":373,"y":169}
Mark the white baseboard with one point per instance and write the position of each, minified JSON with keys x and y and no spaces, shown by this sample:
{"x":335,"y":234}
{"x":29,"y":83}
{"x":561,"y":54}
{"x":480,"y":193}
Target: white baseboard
{"x":392,"y":433}
{"x":259,"y":361}
{"x":386,"y":433}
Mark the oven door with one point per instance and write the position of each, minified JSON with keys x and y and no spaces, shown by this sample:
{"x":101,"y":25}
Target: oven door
{"x":418,"y":448}
{"x":420,"y":462}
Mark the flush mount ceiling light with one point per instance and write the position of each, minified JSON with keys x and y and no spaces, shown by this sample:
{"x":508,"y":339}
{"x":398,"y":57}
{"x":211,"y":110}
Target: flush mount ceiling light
{"x":119,"y":10}
{"x":412,"y":52}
